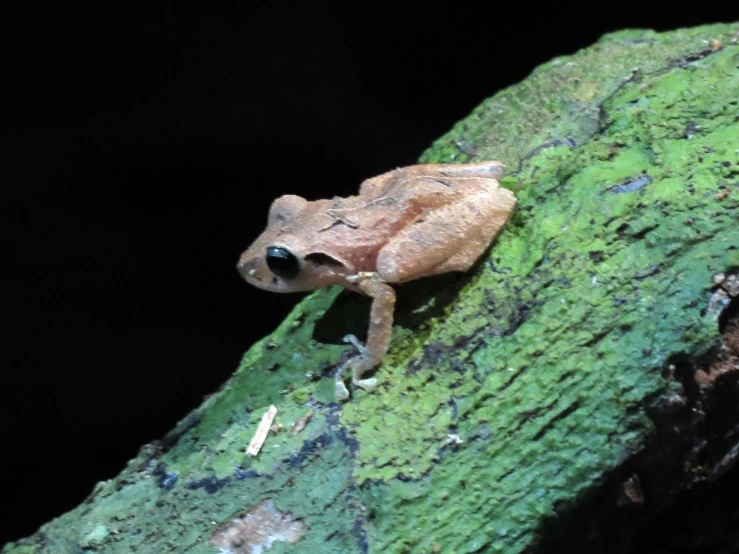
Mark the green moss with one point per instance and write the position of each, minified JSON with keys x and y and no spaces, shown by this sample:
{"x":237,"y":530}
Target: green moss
{"x":543,"y":361}
{"x":611,"y":285}
{"x":26,"y":548}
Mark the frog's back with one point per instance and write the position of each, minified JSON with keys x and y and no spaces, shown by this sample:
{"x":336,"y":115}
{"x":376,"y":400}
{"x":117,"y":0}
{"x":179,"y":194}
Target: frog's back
{"x":352,"y":229}
{"x":356,"y":228}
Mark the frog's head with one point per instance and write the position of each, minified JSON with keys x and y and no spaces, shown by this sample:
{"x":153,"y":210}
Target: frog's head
{"x":280,"y":268}
{"x":283,"y":259}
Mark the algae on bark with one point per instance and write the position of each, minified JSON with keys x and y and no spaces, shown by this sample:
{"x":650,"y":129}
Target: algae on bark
{"x":549,"y":360}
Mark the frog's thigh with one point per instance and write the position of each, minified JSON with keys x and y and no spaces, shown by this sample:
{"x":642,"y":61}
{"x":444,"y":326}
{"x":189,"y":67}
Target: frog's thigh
{"x":499,"y":214}
{"x":450,"y":238}
{"x":374,"y":186}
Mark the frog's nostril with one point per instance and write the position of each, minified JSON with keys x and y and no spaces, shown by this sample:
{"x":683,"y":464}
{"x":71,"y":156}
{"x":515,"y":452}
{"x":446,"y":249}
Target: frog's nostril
{"x":247,"y":268}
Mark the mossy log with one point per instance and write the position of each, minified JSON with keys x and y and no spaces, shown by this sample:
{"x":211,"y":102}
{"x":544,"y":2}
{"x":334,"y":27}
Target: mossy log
{"x":572,"y":391}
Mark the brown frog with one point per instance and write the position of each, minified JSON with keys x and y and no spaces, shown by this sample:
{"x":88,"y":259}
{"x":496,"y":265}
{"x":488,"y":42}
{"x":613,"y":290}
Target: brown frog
{"x":408,"y":223}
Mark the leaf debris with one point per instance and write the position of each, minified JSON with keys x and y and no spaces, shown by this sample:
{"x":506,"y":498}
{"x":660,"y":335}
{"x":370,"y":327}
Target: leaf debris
{"x":261,"y":434}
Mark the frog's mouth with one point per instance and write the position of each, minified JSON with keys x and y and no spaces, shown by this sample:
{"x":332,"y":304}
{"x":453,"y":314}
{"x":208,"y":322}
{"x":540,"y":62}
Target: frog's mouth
{"x":259,"y":275}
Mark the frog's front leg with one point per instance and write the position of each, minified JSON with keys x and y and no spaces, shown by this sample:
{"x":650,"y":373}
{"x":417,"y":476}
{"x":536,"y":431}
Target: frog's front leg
{"x":378,"y":335}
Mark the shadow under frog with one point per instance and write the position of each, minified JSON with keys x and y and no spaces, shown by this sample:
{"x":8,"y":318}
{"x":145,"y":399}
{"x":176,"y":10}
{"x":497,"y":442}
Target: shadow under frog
{"x":418,"y":301}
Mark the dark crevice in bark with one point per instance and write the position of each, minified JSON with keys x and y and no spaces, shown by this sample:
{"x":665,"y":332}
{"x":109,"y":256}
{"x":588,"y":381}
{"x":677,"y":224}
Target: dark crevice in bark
{"x":679,"y":493}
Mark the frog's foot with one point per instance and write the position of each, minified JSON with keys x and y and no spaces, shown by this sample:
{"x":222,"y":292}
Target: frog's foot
{"x":359,"y":365}
{"x":341,"y":393}
{"x":369,"y":385}
{"x":354,"y":341}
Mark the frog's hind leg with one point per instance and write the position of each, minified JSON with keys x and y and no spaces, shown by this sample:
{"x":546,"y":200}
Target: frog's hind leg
{"x":450,"y":238}
{"x":484,"y":170}
{"x":378,"y":335}
{"x":487,"y":170}
{"x":490,"y":171}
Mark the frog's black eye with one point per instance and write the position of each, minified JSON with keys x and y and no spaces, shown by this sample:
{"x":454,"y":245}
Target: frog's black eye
{"x":282,"y":262}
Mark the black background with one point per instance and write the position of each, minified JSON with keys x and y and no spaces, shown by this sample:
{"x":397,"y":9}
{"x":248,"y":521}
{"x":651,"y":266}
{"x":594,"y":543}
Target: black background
{"x":140,"y":151}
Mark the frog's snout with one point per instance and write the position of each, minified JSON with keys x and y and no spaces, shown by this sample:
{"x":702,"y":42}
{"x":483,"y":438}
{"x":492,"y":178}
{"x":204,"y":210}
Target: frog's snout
{"x":256,"y":273}
{"x":248,"y":270}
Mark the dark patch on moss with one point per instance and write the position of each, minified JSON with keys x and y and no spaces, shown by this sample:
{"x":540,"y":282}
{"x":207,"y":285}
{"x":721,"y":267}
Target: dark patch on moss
{"x":335,"y":432}
{"x":166,"y":481}
{"x":240,"y":474}
{"x":328,"y":370}
{"x":308,"y":448}
{"x":691,"y":129}
{"x":518,"y":317}
{"x":515,"y":375}
{"x":567,"y":141}
{"x":359,"y":531}
{"x":208,"y":484}
{"x":684,"y":63}
{"x":644,"y":231}
{"x":432,"y":353}
{"x":596,"y":255}
{"x":643,"y":274}
{"x":529,"y":416}
{"x":631,"y":185}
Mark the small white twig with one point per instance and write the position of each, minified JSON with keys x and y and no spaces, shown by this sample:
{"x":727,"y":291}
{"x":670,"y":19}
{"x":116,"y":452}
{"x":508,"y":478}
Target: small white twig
{"x":261,"y":434}
{"x":453,"y":438}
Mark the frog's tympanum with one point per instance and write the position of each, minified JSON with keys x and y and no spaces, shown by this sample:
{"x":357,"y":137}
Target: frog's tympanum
{"x":408,"y":223}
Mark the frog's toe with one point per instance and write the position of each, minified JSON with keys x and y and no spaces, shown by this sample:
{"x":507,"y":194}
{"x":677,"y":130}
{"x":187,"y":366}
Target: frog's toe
{"x":369,"y":385}
{"x":341,"y":393}
{"x":354,"y":341}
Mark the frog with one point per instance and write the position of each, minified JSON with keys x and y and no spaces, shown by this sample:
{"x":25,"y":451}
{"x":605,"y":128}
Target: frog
{"x":408,"y":223}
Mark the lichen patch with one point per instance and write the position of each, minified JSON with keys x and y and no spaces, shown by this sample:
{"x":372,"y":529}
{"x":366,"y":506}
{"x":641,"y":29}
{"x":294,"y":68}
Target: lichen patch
{"x":256,"y":530}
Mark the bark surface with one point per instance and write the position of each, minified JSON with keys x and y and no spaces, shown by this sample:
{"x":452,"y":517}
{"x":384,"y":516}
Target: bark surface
{"x":575,"y":390}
